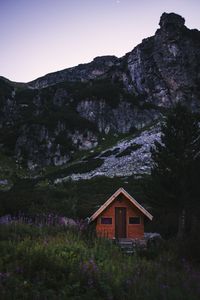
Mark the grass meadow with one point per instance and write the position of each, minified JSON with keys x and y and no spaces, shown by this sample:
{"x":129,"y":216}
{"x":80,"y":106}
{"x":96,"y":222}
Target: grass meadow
{"x":55,"y":262}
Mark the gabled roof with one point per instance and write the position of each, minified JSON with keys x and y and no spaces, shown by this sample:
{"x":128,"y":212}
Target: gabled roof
{"x":113,"y":197}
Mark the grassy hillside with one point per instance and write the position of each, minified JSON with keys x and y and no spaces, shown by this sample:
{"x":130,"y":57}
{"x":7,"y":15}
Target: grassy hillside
{"x":59,"y":263}
{"x":73,"y":199}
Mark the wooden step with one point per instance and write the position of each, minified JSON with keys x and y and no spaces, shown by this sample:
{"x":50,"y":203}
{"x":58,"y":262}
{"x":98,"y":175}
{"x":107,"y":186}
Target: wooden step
{"x":129,"y":246}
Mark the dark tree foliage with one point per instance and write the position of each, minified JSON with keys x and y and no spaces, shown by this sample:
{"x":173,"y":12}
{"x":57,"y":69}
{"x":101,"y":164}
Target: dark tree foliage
{"x":175,"y":176}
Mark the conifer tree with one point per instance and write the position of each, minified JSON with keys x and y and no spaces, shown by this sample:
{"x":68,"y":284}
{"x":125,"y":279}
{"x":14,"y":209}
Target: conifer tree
{"x":175,"y":176}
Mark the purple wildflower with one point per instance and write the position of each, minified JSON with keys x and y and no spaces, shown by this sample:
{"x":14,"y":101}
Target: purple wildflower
{"x":164,"y":286}
{"x":90,"y":271}
{"x":4,"y":276}
{"x":19,"y":270}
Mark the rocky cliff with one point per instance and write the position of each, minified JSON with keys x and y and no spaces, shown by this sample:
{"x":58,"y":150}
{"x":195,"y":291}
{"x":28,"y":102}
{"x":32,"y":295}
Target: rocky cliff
{"x":83,"y":72}
{"x":166,"y":67}
{"x":47,"y":121}
{"x":163,"y":69}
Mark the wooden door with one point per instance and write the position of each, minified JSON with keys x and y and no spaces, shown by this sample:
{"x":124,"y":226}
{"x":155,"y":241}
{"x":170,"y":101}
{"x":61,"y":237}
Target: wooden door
{"x":120,"y":222}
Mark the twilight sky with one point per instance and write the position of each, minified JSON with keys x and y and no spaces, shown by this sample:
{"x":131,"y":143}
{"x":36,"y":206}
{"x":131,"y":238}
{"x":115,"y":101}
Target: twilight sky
{"x":43,"y":36}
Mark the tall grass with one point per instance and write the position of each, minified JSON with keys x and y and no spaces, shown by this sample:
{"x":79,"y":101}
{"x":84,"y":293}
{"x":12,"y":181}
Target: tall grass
{"x":58,"y":263}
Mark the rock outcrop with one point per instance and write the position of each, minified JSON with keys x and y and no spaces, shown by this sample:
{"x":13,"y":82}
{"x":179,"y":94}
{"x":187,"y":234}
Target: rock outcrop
{"x":83,"y":72}
{"x":165,"y":68}
{"x":126,"y":158}
{"x":122,"y":119}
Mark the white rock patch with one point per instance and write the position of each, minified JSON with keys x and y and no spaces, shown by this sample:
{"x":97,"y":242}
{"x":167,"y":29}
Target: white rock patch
{"x":138,"y":162}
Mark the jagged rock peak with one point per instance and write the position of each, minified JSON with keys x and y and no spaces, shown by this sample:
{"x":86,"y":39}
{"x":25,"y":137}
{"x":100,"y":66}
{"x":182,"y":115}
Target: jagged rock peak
{"x":171,"y":21}
{"x":105,"y":58}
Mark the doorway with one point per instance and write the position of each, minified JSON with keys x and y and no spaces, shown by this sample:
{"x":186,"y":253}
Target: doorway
{"x":120,"y":222}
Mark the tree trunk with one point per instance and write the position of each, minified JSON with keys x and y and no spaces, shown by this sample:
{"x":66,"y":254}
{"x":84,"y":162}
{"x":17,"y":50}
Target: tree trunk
{"x":181,"y":224}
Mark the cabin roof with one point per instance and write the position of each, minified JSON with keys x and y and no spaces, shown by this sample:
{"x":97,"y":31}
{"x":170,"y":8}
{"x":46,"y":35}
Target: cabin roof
{"x":113,"y":197}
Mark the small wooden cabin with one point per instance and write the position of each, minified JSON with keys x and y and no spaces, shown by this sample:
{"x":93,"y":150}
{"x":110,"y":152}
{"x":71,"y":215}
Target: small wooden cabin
{"x":121,"y":216}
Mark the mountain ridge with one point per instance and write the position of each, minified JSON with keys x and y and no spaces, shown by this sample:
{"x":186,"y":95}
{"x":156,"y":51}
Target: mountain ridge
{"x":48,"y":120}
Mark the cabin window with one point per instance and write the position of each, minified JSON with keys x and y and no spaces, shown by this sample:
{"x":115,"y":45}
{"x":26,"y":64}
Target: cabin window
{"x":106,"y":220}
{"x":134,"y":220}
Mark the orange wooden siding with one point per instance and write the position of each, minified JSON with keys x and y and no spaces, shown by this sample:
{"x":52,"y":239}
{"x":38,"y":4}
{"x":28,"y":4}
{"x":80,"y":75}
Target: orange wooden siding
{"x":133,"y":231}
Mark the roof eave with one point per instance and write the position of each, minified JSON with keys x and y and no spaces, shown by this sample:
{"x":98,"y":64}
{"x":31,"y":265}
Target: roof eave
{"x":110,"y":200}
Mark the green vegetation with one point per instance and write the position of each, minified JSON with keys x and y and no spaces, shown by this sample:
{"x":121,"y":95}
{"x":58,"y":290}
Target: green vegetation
{"x":100,"y":89}
{"x":5,"y":89}
{"x":110,"y":152}
{"x":73,"y":199}
{"x":128,"y":150}
{"x":75,"y":168}
{"x":50,"y":113}
{"x":174,"y":182}
{"x":60,"y":263}
{"x":54,"y":105}
{"x":8,"y":138}
{"x":9,"y":170}
{"x":25,"y":96}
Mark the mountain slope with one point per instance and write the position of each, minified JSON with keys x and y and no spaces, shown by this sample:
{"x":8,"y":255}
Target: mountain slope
{"x":50,"y":120}
{"x":129,"y":156}
{"x":162,"y":69}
